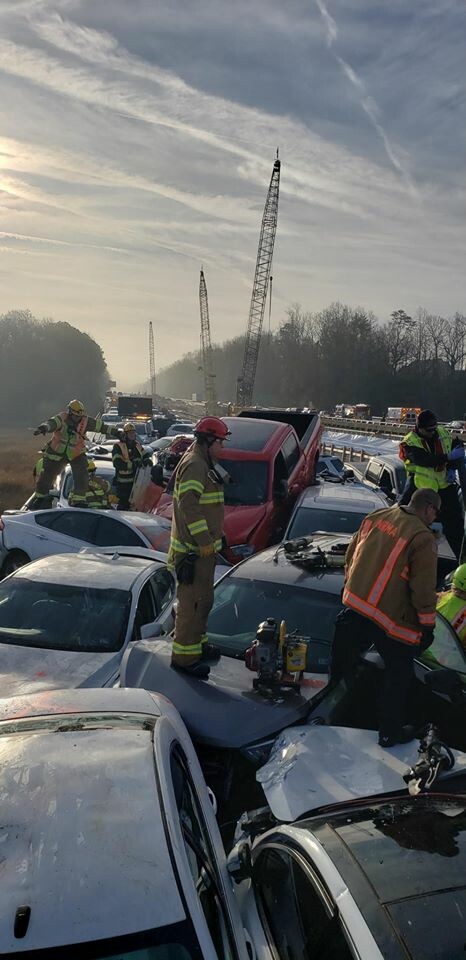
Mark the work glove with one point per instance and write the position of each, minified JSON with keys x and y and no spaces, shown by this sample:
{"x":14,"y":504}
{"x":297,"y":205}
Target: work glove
{"x":41,"y":429}
{"x":207,"y":551}
{"x":456,"y":454}
{"x":427,"y":639}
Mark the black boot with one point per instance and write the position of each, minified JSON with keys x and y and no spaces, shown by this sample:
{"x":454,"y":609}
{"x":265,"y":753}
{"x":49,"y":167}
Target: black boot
{"x":210,"y":651}
{"x":199,"y":670}
{"x":404,"y":735}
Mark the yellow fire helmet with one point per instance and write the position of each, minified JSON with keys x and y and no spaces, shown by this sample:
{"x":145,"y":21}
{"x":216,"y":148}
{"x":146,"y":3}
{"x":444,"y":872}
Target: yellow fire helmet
{"x":76,"y":407}
{"x":91,"y":466}
{"x":129,"y":428}
{"x":459,"y":577}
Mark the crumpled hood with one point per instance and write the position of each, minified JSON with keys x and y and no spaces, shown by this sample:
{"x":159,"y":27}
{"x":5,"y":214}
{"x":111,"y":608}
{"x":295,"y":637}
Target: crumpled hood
{"x":31,"y":669}
{"x":240,"y":522}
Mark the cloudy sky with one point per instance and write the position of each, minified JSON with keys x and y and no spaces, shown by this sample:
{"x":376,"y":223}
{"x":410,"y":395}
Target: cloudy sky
{"x":137,"y":139}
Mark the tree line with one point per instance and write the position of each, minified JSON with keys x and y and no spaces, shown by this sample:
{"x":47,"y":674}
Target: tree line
{"x":343,"y":355}
{"x":43,"y":365}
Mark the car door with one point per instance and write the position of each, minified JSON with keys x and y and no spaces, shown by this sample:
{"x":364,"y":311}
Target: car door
{"x":298,"y":914}
{"x":198,"y":849}
{"x":60,"y":531}
{"x":449,"y":713}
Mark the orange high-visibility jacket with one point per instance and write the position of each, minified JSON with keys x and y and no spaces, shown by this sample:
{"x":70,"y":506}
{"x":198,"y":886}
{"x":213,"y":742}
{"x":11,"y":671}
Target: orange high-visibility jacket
{"x":391,"y":573}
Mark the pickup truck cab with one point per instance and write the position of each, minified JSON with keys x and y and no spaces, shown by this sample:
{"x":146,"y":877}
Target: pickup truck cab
{"x":271,"y":457}
{"x":386,"y":473}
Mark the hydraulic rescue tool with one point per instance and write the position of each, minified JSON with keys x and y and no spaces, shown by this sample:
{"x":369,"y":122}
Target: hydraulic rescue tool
{"x":434,"y":756}
{"x":305,"y":553}
{"x":278,"y":658}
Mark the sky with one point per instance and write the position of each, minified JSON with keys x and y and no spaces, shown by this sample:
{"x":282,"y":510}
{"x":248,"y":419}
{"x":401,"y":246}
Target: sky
{"x":137,"y":139}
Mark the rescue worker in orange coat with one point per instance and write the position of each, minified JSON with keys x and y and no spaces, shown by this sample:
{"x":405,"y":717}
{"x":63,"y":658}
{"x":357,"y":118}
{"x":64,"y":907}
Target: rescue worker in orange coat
{"x":67,"y":445}
{"x":390,"y":599}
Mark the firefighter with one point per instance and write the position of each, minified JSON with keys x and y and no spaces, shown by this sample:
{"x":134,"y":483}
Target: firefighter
{"x":390,"y":600}
{"x":128,"y":455}
{"x":452,"y":604}
{"x":431,"y":455}
{"x":67,"y":445}
{"x":196,"y":536}
{"x":99,"y":494}
{"x":38,"y":466}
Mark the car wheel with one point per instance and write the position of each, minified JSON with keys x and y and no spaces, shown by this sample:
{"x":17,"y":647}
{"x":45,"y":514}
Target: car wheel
{"x":14,"y":561}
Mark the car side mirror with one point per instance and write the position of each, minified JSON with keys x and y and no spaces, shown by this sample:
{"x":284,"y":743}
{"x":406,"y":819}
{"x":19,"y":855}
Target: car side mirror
{"x":446,"y":682}
{"x":150,"y":631}
{"x":348,"y":473}
{"x":281,"y":490}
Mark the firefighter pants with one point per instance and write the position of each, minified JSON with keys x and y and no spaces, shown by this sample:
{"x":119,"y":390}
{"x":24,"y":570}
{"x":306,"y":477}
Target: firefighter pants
{"x":123,"y":492}
{"x":80,"y":477}
{"x":194,"y":603}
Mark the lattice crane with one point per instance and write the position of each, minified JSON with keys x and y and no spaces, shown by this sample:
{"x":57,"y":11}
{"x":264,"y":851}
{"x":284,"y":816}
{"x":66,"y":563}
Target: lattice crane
{"x":152,"y":362}
{"x":210,"y":393}
{"x":245,"y":383}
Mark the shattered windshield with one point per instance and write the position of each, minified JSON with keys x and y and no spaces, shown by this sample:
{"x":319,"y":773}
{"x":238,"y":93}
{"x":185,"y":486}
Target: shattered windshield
{"x":240,"y":605}
{"x":62,"y":616}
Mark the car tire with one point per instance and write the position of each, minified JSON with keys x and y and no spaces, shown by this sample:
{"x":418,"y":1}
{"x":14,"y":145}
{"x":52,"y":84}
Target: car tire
{"x":14,"y":560}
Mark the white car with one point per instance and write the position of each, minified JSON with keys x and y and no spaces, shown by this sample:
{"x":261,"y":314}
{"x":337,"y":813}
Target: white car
{"x":110,"y":846}
{"x":29,"y":535}
{"x":345,"y":864}
{"x":67,"y":620}
{"x":180,"y":430}
{"x":64,"y":483}
{"x":333,"y":507}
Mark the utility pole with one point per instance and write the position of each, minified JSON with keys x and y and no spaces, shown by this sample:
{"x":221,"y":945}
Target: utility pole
{"x":152,"y":363}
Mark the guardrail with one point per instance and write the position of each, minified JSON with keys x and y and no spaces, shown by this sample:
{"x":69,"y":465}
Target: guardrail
{"x":376,"y":429}
{"x":346,"y":452}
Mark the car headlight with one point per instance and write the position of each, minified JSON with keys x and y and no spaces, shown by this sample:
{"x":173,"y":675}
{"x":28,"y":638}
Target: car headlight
{"x":242,"y":550}
{"x":258,"y":753}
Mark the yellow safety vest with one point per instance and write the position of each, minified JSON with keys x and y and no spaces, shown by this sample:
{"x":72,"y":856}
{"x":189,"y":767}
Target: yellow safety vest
{"x":434,"y":478}
{"x":453,"y":608}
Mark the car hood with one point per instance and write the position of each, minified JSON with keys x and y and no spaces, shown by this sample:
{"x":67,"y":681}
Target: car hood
{"x":314,"y":766}
{"x":31,"y":669}
{"x":241,"y":521}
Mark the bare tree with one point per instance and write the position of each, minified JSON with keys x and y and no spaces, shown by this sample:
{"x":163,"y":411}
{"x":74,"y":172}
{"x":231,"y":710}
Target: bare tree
{"x":454,"y":341}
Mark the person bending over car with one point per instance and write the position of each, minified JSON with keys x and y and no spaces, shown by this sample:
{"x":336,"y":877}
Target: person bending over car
{"x":390,"y":600}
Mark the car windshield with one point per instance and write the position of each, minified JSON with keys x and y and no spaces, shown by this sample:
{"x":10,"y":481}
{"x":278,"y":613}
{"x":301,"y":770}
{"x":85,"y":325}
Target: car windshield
{"x":335,"y":462}
{"x":306,"y":521}
{"x":156,"y":531}
{"x":62,"y":616}
{"x":248,"y":482}
{"x":176,"y":941}
{"x":240,"y":605}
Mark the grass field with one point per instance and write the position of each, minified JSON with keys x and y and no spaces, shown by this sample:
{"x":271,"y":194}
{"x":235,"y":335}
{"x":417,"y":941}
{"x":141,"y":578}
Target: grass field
{"x":18,"y":454}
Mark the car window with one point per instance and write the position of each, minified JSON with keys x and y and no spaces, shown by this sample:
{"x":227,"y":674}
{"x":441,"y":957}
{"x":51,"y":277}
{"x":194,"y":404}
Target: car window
{"x":241,"y":604}
{"x":145,"y":610}
{"x":163,"y":586}
{"x":61,"y":616}
{"x":79,"y":524}
{"x":201,"y":858}
{"x":115,"y":533}
{"x":248,"y":481}
{"x":308,"y":520}
{"x":291,"y":452}
{"x":373,"y":471}
{"x":446,"y":650}
{"x":386,"y":482}
{"x":299,"y":918}
{"x":280,"y":471}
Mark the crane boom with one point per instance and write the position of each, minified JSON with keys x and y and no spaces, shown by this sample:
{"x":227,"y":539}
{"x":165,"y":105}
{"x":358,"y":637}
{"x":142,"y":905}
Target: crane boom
{"x":210,"y":394}
{"x":152,"y":362}
{"x":245,"y":386}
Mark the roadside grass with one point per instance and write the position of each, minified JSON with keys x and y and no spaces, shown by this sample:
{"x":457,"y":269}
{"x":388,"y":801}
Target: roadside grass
{"x":18,"y":454}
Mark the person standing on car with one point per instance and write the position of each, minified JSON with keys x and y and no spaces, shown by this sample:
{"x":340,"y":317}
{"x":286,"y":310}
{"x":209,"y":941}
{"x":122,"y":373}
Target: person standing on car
{"x":390,"y":600}
{"x":431,"y":456}
{"x":128,"y":455}
{"x":196,"y":536}
{"x":99,"y":494}
{"x":67,"y":445}
{"x":452,"y":604}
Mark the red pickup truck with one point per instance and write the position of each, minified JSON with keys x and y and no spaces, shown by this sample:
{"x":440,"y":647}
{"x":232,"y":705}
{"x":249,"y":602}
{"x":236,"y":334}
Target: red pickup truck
{"x":271,"y":457}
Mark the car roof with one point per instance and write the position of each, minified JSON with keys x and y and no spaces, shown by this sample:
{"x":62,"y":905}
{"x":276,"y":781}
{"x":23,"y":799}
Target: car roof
{"x":338,"y":496}
{"x":84,"y":842}
{"x":86,"y":569}
{"x":252,"y":435}
{"x":274,"y":565}
{"x":319,"y":765}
